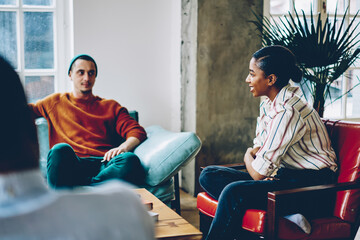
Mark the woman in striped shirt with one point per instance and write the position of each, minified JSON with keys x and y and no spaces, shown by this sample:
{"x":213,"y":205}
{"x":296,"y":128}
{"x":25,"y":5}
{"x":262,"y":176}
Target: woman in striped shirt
{"x":291,"y":147}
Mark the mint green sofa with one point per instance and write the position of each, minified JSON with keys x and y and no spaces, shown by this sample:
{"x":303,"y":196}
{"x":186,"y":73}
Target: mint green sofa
{"x":162,"y":155}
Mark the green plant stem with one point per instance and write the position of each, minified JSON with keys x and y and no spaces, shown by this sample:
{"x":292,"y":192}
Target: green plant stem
{"x":319,"y":98}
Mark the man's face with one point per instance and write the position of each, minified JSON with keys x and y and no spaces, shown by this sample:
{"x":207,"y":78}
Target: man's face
{"x":83,"y":76}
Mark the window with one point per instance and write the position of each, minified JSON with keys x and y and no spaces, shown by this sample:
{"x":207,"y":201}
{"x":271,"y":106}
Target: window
{"x":344,"y":106}
{"x":30,"y":42}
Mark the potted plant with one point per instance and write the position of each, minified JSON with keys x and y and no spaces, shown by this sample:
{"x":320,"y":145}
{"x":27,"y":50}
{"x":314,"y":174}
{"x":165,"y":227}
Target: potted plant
{"x":324,"y":49}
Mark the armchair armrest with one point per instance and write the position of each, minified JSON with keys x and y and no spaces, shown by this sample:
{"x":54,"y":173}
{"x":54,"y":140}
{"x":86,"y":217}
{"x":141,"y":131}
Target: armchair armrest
{"x":275,"y":198}
{"x":318,"y":188}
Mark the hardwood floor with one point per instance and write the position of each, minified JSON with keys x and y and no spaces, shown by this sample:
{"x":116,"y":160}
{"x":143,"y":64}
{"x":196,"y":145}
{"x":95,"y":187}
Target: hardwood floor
{"x":188,"y":209}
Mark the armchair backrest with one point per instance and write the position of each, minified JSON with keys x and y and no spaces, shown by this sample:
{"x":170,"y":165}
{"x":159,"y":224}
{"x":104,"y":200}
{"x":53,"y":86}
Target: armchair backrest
{"x":345,"y":139}
{"x":134,"y":114}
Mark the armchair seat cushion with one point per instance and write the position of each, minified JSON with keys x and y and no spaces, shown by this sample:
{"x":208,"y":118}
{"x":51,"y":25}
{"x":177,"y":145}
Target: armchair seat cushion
{"x":323,"y":228}
{"x":330,"y":228}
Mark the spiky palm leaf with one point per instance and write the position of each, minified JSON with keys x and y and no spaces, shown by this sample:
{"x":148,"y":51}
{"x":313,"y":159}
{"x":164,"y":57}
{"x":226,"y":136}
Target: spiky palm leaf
{"x":323,"y":50}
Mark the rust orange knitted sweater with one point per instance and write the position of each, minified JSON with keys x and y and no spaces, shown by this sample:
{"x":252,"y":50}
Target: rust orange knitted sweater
{"x":91,"y":127}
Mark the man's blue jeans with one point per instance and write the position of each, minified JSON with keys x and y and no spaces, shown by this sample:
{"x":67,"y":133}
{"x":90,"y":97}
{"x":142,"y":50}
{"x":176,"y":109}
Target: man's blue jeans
{"x":236,"y":192}
{"x":66,"y":170}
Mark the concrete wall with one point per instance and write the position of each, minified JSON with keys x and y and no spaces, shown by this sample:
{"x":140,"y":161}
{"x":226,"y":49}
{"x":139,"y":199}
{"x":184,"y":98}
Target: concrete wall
{"x":136,"y":44}
{"x":188,"y":82}
{"x":226,"y":112}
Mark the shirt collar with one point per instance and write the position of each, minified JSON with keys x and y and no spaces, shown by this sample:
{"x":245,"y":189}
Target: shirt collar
{"x":19,"y":184}
{"x":23,"y":191}
{"x":286,"y":92}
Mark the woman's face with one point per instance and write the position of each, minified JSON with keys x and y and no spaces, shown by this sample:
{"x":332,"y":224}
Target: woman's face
{"x":258,"y":82}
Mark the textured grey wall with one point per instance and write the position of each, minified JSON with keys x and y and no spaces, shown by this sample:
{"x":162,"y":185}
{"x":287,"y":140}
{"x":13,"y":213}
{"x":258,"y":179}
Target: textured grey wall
{"x":226,"y":112}
{"x":188,"y":82}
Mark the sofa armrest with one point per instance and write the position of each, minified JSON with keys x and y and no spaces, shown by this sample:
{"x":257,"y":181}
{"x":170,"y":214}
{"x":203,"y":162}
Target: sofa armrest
{"x":164,"y":152}
{"x":43,"y":138}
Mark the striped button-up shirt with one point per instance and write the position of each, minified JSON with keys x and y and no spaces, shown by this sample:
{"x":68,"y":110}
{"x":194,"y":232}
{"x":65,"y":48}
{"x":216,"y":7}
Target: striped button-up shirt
{"x":291,"y":134}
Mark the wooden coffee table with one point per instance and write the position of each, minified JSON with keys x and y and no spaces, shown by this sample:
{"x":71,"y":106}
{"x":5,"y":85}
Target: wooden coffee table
{"x":170,"y":225}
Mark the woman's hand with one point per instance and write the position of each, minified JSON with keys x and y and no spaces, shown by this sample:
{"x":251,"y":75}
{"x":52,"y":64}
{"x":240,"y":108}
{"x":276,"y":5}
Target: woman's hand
{"x":253,"y":151}
{"x":248,"y":159}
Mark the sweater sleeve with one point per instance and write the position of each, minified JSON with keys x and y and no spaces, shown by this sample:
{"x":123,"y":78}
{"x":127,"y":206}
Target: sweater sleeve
{"x":127,"y":127}
{"x":35,"y":109}
{"x":42,"y":106}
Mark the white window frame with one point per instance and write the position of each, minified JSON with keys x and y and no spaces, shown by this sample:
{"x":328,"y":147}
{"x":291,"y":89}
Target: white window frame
{"x":318,"y":7}
{"x":63,"y":35}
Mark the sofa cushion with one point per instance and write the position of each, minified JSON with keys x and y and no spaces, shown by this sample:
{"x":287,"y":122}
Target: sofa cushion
{"x":164,"y":152}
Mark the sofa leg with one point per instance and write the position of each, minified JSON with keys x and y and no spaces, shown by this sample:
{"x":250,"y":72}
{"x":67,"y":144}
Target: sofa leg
{"x":175,"y":204}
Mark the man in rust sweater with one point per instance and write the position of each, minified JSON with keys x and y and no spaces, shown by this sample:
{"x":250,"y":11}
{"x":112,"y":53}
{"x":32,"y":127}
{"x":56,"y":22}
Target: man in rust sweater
{"x":91,"y":138}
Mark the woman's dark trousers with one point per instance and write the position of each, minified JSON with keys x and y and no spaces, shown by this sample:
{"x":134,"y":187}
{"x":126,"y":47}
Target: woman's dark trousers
{"x":236,"y":192}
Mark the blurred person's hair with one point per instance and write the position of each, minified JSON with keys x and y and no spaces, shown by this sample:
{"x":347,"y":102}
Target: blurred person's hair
{"x":19,"y":148}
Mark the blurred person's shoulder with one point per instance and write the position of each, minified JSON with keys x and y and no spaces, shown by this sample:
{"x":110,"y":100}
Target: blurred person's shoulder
{"x":112,"y":205}
{"x":112,"y":192}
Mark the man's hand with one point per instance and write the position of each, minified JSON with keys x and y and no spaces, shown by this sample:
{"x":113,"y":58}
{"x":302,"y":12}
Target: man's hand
{"x":114,"y":152}
{"x":127,"y":146}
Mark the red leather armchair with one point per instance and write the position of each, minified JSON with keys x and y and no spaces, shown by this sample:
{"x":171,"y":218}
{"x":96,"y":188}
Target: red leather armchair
{"x":341,"y":223}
